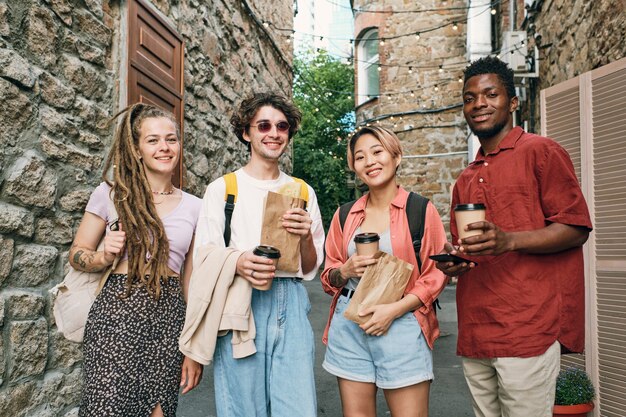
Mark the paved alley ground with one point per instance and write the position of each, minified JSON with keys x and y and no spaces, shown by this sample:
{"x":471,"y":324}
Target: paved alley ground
{"x":449,"y":395}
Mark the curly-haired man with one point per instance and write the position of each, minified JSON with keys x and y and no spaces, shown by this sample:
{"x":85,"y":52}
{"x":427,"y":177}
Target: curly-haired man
{"x":278,"y":379}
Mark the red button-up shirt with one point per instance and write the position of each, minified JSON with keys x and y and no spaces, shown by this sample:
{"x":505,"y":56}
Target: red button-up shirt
{"x":517,"y":304}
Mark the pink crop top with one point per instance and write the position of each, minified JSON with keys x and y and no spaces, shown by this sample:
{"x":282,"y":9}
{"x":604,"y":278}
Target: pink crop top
{"x":180,"y":224}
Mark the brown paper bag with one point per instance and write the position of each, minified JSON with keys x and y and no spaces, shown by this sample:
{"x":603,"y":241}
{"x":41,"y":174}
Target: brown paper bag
{"x":273,"y":233}
{"x":381,"y":283}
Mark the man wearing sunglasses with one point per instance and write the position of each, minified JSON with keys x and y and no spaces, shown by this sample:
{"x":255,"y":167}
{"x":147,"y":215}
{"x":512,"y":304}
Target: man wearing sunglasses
{"x":278,"y":379}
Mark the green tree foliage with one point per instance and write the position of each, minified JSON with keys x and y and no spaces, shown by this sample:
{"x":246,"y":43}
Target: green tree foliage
{"x":322,"y":91}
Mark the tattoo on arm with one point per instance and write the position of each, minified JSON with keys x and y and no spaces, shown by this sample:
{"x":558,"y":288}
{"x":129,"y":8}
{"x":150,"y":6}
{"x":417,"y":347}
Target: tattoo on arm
{"x":85,"y":260}
{"x":335,"y":278}
{"x":77,"y":259}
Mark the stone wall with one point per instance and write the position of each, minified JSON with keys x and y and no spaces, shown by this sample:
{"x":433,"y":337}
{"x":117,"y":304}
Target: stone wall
{"x":59,"y":66}
{"x":421,"y":103}
{"x":576,"y":36}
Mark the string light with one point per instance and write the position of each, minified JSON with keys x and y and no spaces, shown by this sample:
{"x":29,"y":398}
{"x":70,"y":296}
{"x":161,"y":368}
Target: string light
{"x":323,"y":92}
{"x":382,"y":42}
{"x":386,"y":11}
{"x":493,"y":11}
{"x":411,"y":67}
{"x":266,"y":24}
{"x":454,"y":24}
{"x":440,"y":69}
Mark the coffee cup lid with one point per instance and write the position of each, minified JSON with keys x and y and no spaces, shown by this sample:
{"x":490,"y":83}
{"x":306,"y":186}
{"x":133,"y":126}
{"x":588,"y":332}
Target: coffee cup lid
{"x":468,"y":207}
{"x":366,"y":238}
{"x":267,"y":251}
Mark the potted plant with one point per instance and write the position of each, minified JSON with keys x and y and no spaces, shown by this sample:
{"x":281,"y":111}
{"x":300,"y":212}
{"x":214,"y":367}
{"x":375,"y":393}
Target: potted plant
{"x":574,"y":393}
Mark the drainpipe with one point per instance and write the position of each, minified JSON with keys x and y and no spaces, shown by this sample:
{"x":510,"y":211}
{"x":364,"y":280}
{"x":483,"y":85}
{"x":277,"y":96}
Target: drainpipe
{"x":512,"y":14}
{"x":478,"y":46}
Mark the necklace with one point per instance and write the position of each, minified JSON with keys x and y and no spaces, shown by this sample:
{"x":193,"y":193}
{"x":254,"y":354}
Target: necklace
{"x":170,"y":192}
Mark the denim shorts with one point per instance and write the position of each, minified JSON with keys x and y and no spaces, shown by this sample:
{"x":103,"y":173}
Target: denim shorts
{"x":400,"y":358}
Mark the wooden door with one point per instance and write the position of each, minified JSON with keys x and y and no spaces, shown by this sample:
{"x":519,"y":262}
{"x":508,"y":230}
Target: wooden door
{"x":155,"y":65}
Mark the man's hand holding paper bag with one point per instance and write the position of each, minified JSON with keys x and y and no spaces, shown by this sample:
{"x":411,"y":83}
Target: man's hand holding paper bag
{"x":285,"y":223}
{"x":382,"y":283}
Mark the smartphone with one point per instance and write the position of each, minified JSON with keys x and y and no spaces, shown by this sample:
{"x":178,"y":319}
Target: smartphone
{"x":446,"y":257}
{"x":114,"y":226}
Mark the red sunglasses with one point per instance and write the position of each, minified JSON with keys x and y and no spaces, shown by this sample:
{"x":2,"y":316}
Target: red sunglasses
{"x":265,"y":127}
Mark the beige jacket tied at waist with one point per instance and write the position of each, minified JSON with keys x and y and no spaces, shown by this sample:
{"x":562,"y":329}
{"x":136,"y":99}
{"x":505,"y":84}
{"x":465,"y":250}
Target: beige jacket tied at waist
{"x":218,"y":302}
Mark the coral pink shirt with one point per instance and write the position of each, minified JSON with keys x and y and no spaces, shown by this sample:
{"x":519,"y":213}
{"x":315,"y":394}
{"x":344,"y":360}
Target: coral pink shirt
{"x":426,"y":286}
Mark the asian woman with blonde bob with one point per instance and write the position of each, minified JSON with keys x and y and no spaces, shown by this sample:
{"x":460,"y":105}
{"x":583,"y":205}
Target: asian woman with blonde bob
{"x":393,"y":349}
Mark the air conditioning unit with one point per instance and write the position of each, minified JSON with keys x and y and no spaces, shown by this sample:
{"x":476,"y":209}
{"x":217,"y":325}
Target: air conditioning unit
{"x":514,"y":50}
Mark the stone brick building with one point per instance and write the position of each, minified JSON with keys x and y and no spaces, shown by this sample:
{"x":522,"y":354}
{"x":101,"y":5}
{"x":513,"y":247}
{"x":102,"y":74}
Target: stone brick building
{"x":408,"y":64}
{"x":569,"y":57}
{"x":409,"y":57}
{"x":66,"y":66}
{"x":576,"y":99}
{"x":573,"y":37}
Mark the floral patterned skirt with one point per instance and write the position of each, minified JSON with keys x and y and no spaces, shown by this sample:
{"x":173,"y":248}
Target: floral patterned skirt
{"x":131,"y":357}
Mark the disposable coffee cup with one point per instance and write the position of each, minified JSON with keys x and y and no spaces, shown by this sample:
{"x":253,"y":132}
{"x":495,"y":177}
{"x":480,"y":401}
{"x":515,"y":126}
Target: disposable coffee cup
{"x":366,"y":243}
{"x":466,"y":214}
{"x":269,"y":252}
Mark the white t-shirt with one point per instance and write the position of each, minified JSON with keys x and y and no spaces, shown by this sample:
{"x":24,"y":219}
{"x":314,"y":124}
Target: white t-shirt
{"x":247,"y":217}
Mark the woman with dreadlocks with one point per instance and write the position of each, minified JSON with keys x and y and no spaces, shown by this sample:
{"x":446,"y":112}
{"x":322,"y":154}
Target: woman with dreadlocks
{"x":132,"y":364}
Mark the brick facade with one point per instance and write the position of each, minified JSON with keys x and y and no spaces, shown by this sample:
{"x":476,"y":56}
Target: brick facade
{"x":576,"y":36}
{"x":420,"y":103}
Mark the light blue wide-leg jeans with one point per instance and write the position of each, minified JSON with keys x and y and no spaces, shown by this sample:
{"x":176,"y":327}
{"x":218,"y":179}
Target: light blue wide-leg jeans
{"x":278,"y":380}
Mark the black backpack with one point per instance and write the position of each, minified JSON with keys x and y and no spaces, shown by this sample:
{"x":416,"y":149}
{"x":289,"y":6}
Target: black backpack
{"x":416,"y":215}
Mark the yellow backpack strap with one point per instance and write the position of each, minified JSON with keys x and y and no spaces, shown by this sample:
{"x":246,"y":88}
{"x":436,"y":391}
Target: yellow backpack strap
{"x":230,"y":198}
{"x":231,"y":186}
{"x":304,"y":190}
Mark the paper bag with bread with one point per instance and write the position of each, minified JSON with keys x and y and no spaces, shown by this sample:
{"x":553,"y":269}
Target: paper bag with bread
{"x":274,"y":234}
{"x":382,"y":283}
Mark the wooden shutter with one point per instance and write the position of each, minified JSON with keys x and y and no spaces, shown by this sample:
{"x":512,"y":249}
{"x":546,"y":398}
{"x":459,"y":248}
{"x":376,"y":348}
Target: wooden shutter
{"x":561,"y":121}
{"x":155,"y":64}
{"x":608,"y":89}
{"x":597,"y":125}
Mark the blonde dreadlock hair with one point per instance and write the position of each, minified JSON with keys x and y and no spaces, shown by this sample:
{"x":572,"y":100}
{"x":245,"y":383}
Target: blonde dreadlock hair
{"x":146,"y":242}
